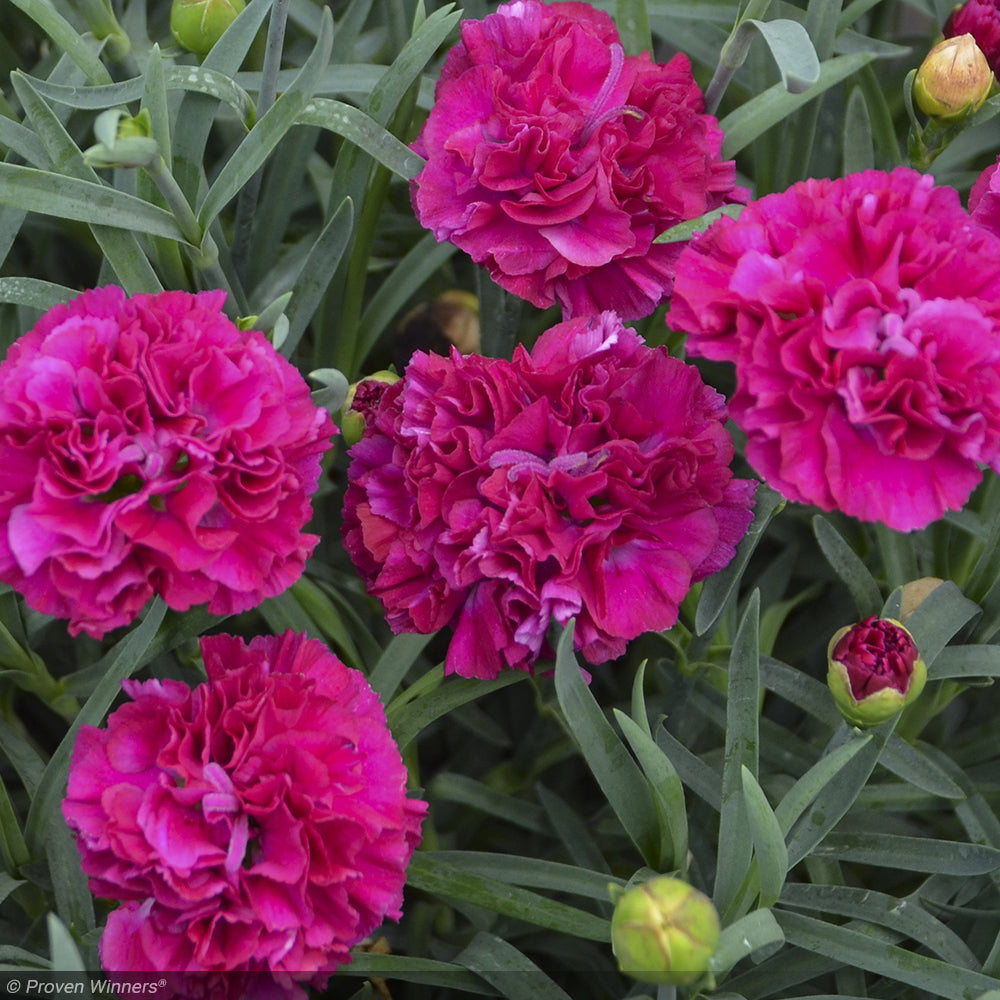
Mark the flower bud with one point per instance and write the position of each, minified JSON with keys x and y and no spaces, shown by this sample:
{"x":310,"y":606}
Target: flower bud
{"x":954,"y":80}
{"x":361,"y":403}
{"x":123,"y":141}
{"x":198,"y":24}
{"x":451,"y":320}
{"x":915,"y":593}
{"x":875,"y":670}
{"x":664,"y":931}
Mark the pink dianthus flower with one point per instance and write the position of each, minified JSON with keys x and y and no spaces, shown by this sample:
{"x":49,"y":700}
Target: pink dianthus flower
{"x":256,"y":824}
{"x":556,"y":160}
{"x":151,"y":447}
{"x":981,"y":19}
{"x":863,"y":317}
{"x":587,"y":479}
{"x":984,"y":198}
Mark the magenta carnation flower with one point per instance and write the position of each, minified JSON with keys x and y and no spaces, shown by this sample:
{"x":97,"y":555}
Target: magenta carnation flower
{"x":587,"y":479}
{"x":555,"y":160}
{"x":151,"y":447}
{"x":981,"y":19}
{"x":984,"y":199}
{"x":863,"y":316}
{"x":258,"y":823}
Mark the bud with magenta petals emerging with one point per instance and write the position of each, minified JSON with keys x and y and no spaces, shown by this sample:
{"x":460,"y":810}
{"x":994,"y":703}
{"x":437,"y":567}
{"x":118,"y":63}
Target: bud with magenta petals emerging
{"x":361,"y":403}
{"x":198,"y":24}
{"x":664,"y":931}
{"x":875,"y":669}
{"x":954,"y":80}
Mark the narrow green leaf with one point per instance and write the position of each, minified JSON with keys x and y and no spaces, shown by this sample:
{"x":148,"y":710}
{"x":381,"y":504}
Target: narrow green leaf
{"x":121,"y":249}
{"x":849,"y":567}
{"x":34,"y":292}
{"x":639,"y":716}
{"x":427,"y":971}
{"x":720,"y":588}
{"x":458,"y":885}
{"x":395,"y":83}
{"x":843,"y":944}
{"x":859,"y":150}
{"x":198,"y":111}
{"x":756,"y":932}
{"x":357,"y":127}
{"x":406,"y":278}
{"x":538,"y":873}
{"x":962,"y":662}
{"x":349,"y":27}
{"x":126,"y":657}
{"x":8,"y":885}
{"x":612,"y":765}
{"x":668,"y":793}
{"x":632,"y":21}
{"x":511,"y":972}
{"x":263,"y":138}
{"x":74,"y":901}
{"x":451,"y":787}
{"x":154,"y":100}
{"x":571,"y":831}
{"x":758,"y":114}
{"x":65,"y":955}
{"x":940,"y":615}
{"x":768,"y":841}
{"x":24,"y":757}
{"x":694,"y":772}
{"x":793,"y":52}
{"x":13,"y":849}
{"x":921,"y":854}
{"x":408,"y":721}
{"x":742,"y":742}
{"x":395,"y":663}
{"x":911,"y":764}
{"x":23,"y":142}
{"x":65,"y":37}
{"x":833,"y":800}
{"x":683,"y":231}
{"x":905,"y":916}
{"x":798,"y":798}
{"x":67,"y":198}
{"x":196,"y":79}
{"x":317,"y":269}
{"x":799,"y":689}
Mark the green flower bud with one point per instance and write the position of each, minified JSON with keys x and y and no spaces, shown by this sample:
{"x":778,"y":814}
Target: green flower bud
{"x":954,"y":80}
{"x":361,"y":403}
{"x":198,"y":24}
{"x":664,"y":931}
{"x":874,"y":670}
{"x":123,"y":141}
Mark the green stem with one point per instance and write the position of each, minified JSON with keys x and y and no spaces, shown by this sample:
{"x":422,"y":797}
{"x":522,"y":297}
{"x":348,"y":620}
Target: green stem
{"x":103,"y":23}
{"x":733,"y":54}
{"x":206,"y":252}
{"x":177,"y":203}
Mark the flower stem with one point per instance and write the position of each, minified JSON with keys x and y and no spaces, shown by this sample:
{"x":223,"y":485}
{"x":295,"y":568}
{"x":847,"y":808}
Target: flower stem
{"x":206,"y":256}
{"x":733,"y":54}
{"x":103,"y":23}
